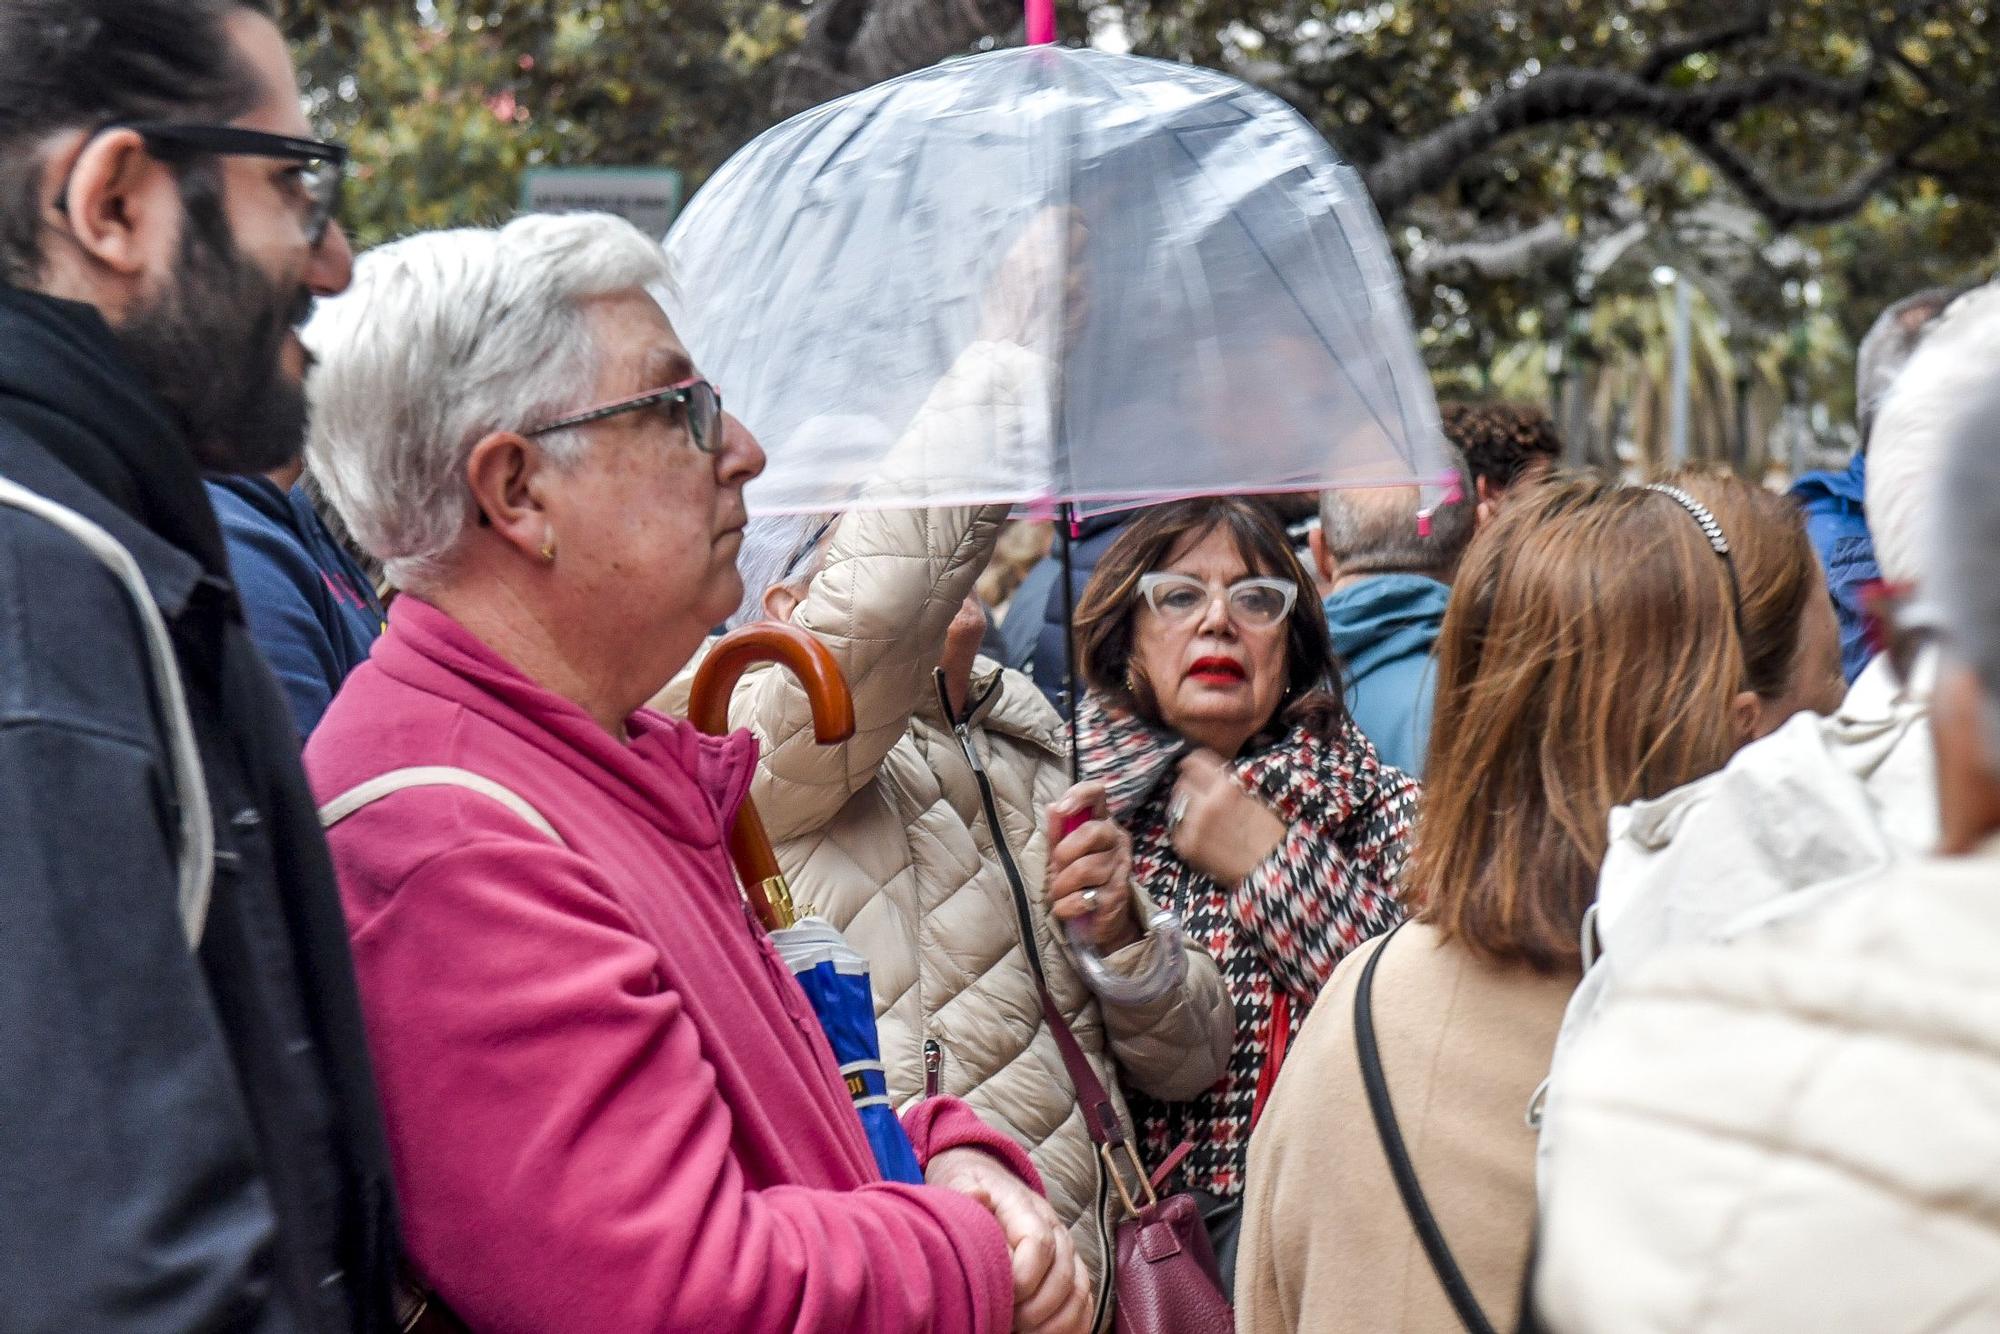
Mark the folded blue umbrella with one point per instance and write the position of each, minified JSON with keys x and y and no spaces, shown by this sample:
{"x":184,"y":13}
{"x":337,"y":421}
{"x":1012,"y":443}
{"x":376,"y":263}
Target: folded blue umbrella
{"x":834,"y":977}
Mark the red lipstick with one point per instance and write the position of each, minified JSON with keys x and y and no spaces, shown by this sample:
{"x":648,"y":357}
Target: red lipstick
{"x":1217,"y":671}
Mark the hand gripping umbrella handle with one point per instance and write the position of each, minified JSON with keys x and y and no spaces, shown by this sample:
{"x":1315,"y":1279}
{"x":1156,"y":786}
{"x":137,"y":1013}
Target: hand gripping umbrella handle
{"x":833,"y":721}
{"x":1167,"y":971}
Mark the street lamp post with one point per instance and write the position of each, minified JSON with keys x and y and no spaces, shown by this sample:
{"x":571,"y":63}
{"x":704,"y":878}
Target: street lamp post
{"x":1579,"y":445}
{"x":1683,"y":365}
{"x":1745,"y":460}
{"x":1555,"y":363}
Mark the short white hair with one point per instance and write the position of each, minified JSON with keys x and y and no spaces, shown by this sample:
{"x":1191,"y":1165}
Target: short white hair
{"x":1957,"y":362}
{"x":782,"y":551}
{"x":443,"y":338}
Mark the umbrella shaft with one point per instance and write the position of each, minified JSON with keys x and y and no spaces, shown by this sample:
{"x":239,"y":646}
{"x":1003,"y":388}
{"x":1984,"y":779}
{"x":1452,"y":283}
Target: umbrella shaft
{"x":778,"y":893}
{"x":1066,"y":530}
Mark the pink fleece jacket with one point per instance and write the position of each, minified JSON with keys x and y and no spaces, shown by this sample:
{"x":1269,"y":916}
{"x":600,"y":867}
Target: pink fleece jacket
{"x":610,"y":1107}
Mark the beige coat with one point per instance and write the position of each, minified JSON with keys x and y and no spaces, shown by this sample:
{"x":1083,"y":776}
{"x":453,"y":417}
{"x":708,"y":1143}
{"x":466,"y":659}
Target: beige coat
{"x":886,"y":837}
{"x":1327,"y":1246}
{"x":1798,"y":1130}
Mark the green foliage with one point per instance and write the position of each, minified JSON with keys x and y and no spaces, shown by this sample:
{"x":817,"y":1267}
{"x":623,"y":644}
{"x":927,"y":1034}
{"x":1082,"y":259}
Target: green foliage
{"x":445,"y":105}
{"x":446,"y":102}
{"x":1379,"y":77}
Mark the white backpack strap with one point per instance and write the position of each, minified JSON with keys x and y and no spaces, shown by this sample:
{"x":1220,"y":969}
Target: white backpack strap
{"x":196,"y":872}
{"x":433,"y":775}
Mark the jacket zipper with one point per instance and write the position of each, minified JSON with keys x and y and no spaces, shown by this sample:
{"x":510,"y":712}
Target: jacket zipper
{"x":963,"y":731}
{"x":933,"y":1068}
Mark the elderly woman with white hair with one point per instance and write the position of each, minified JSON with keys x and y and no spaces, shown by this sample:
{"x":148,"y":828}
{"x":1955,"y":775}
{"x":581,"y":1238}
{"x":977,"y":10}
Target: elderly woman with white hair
{"x":609,"y":1105}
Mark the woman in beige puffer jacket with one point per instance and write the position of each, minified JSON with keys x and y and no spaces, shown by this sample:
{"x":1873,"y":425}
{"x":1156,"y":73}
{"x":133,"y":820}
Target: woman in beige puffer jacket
{"x":885,"y":836}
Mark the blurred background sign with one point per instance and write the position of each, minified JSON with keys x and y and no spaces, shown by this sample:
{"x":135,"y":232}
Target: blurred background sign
{"x":647,"y":197}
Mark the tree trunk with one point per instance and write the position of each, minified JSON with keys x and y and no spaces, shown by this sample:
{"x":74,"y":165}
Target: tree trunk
{"x":892,"y":37}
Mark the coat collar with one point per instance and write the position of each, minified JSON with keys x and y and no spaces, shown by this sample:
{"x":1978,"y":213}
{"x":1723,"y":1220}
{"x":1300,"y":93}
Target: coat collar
{"x":687,"y":784}
{"x":1005,"y":702}
{"x":171,"y":575}
{"x":67,"y":384}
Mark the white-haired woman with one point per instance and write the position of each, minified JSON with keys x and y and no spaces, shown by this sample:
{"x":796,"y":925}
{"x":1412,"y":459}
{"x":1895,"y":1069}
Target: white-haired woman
{"x":609,"y":1105}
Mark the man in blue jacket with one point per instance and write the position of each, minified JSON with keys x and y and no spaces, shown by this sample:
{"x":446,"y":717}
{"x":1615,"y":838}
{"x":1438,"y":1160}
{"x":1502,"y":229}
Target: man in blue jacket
{"x":1391,"y":581}
{"x":1835,"y":502}
{"x":311,"y":607}
{"x":1048,"y":658}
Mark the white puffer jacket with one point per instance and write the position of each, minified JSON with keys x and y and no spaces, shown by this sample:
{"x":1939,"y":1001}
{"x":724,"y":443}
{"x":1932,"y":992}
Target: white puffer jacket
{"x":1818,"y":802}
{"x":1796,"y":1131}
{"x":885,"y":836}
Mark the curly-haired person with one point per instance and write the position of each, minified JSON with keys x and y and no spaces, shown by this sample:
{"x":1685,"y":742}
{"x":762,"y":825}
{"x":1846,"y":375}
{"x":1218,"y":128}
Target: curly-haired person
{"x":1507,"y":446}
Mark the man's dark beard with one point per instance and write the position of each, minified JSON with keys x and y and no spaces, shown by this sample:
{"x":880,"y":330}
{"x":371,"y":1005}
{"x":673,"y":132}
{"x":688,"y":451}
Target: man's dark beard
{"x":210,"y":346}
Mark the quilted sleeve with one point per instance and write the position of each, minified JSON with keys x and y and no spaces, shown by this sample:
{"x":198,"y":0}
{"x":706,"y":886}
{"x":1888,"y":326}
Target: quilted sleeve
{"x":892,"y":582}
{"x":1331,"y":884}
{"x":1176,"y":1047}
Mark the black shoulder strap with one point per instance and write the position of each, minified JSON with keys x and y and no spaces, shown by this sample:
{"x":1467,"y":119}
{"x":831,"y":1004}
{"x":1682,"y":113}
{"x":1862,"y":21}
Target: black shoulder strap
{"x":1400,"y":1167}
{"x":1100,"y":1115}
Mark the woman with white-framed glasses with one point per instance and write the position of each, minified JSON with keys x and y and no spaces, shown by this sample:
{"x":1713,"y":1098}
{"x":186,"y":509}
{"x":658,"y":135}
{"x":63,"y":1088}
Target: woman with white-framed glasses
{"x":1258,"y":811}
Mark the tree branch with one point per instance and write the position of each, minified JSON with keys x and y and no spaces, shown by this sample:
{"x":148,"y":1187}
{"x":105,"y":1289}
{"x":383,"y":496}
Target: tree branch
{"x":834,"y":23}
{"x":1755,"y":21}
{"x":1509,"y":256}
{"x":1785,"y":208}
{"x":1565,"y":93}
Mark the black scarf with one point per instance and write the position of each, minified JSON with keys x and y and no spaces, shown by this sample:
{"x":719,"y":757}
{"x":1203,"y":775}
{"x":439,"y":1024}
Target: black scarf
{"x":66,"y":382}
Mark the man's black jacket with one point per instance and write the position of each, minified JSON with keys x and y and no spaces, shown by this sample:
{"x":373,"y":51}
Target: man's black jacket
{"x":187,"y":1142}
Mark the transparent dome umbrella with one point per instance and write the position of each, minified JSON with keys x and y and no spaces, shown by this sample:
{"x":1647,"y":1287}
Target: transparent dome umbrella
{"x":1196,"y":294}
{"x":1055,"y":278}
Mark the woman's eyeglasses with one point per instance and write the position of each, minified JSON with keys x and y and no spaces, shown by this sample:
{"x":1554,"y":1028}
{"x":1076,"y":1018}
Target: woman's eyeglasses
{"x":700,"y":400}
{"x":322,"y":166}
{"x":1258,"y":603}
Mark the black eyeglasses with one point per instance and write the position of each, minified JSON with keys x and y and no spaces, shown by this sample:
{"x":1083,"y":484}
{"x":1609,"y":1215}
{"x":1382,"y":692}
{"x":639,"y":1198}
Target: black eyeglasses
{"x":702,"y":400}
{"x":323,"y":166}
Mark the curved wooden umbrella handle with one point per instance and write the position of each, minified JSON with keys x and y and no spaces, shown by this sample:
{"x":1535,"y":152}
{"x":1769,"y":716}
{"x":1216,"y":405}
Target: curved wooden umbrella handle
{"x":833,"y":721}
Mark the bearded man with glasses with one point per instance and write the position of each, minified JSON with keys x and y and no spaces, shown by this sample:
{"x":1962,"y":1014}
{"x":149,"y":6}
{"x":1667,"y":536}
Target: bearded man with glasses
{"x":186,"y":1109}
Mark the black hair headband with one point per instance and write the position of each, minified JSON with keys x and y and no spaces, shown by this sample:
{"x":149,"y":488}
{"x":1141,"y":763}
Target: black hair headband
{"x":1711,"y":529}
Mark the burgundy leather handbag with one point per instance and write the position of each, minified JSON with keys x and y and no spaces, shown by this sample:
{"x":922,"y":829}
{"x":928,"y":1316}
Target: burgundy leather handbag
{"x":1165,"y":1277}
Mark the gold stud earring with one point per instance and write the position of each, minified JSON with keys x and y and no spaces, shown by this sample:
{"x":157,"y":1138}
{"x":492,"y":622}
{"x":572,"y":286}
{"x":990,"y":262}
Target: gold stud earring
{"x":549,"y":548}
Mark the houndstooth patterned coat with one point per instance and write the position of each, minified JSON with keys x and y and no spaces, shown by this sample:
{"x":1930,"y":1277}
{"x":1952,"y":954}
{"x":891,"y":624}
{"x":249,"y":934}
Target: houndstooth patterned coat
{"x":1328,"y":887}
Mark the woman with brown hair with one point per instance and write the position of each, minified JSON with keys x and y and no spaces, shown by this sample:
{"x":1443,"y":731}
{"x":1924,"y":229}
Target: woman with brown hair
{"x":1791,"y":637}
{"x":1258,"y":812}
{"x":1604,"y":644}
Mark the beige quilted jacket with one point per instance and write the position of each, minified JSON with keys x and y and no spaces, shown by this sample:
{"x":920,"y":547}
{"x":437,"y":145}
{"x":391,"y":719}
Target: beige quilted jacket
{"x":886,"y":837}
